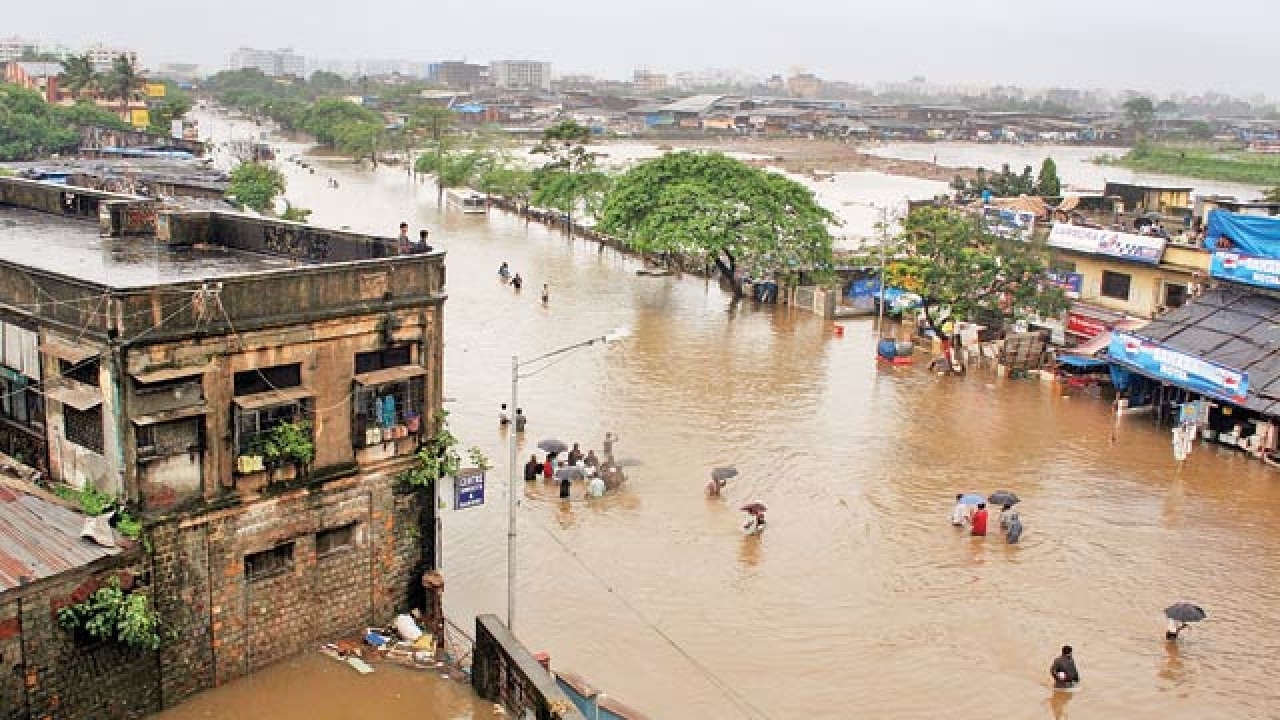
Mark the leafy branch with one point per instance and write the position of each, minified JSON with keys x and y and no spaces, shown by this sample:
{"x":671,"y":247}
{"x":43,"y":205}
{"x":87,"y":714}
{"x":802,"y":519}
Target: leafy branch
{"x":114,"y":615}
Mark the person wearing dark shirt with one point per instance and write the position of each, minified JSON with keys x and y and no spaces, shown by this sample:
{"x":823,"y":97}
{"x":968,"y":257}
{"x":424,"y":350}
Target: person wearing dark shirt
{"x":1063,"y":670}
{"x":565,"y":485}
{"x":520,"y":420}
{"x":532,"y":469}
{"x":423,"y":246}
{"x":978,"y":522}
{"x":517,"y":282}
{"x":575,"y":454}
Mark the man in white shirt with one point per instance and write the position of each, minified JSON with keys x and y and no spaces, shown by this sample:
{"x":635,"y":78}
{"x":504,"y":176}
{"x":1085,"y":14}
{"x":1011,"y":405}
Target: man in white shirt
{"x":960,"y":513}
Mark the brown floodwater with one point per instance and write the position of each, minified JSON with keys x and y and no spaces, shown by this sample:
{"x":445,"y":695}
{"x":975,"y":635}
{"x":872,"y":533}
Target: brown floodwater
{"x":860,"y":600}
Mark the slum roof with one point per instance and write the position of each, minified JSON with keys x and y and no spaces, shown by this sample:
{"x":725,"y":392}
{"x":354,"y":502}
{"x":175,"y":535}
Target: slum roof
{"x":66,"y":246}
{"x":40,"y":536}
{"x":1231,"y":326}
{"x":697,"y":104}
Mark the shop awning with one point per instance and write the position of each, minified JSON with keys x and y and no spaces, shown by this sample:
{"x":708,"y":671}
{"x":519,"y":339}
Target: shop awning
{"x":390,"y":375}
{"x":76,"y":394}
{"x":67,"y":350}
{"x":1099,"y":342}
{"x":1081,"y":363}
{"x":1234,"y":329}
{"x":271,"y":397}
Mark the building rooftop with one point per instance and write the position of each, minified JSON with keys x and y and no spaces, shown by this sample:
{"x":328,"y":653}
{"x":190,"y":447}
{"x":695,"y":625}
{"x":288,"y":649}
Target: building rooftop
{"x":40,"y":69}
{"x":40,"y":535}
{"x":693,"y":104}
{"x":74,"y":248}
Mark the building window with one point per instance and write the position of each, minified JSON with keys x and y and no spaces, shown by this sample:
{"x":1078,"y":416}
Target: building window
{"x":260,"y":380}
{"x":267,"y":563}
{"x":19,"y":399}
{"x":1115,"y":285}
{"x":253,"y":425}
{"x":1175,"y":295}
{"x":83,"y":427}
{"x":382,"y":359}
{"x":334,"y":539}
{"x":85,"y":372}
{"x":378,"y":407}
{"x":171,"y":438}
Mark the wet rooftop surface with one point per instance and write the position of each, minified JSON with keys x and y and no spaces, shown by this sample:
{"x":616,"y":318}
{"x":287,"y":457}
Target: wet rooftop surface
{"x":73,"y":248}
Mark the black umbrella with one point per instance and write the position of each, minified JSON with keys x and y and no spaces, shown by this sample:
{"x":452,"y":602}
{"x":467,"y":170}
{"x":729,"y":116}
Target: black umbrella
{"x":1003,"y":497}
{"x":552,"y":445}
{"x":572,"y":472}
{"x":1185,"y":613}
{"x":727,"y":472}
{"x":754,"y":508}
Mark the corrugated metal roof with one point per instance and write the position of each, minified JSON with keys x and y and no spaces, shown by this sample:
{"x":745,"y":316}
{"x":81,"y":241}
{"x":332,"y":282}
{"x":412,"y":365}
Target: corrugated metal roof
{"x":40,"y":538}
{"x":694,"y":104}
{"x":1231,"y":326}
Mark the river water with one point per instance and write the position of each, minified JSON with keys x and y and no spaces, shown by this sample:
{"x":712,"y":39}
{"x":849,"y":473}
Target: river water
{"x":860,"y":600}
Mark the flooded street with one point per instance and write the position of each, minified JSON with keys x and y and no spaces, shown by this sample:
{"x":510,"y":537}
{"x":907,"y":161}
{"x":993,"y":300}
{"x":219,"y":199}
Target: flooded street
{"x":860,"y":600}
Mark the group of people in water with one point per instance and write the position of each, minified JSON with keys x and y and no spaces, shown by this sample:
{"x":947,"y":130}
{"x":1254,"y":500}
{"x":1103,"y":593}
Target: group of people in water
{"x":599,"y":475}
{"x":516,"y":282}
{"x":974,"y":517}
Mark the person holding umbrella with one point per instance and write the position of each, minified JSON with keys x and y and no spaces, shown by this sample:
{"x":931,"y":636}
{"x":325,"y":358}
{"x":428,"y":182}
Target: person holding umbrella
{"x":719,"y":477}
{"x":1179,"y":615}
{"x":755,"y":521}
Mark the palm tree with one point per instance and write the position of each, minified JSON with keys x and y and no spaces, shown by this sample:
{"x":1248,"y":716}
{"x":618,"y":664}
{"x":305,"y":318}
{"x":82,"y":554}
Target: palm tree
{"x":77,"y":75}
{"x":123,"y":82}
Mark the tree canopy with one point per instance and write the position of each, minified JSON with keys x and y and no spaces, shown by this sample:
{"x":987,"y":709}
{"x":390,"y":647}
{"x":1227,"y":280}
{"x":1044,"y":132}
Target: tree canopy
{"x":570,"y":177}
{"x":256,"y":186}
{"x":31,"y":128}
{"x":1047,"y":182}
{"x":713,"y":206}
{"x":957,"y":267}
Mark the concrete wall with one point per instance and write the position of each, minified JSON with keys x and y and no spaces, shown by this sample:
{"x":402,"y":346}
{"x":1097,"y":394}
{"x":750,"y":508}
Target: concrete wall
{"x":1146,"y":285}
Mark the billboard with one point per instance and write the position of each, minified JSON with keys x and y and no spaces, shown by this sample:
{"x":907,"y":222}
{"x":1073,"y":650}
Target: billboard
{"x":155,"y":90}
{"x":1126,"y":246}
{"x":1188,"y":371}
{"x":1248,"y":269}
{"x":1070,"y":283}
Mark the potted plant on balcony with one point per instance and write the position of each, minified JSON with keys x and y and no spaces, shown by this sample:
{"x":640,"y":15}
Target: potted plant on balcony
{"x":289,"y":443}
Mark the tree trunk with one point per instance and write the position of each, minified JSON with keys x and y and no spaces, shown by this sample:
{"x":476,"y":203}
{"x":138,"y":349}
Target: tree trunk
{"x":728,"y":270}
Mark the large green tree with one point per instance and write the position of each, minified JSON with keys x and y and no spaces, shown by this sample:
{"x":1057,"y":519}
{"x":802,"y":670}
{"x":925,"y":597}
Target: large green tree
{"x":175,"y":104}
{"x":31,"y":128}
{"x":77,"y":76}
{"x":256,"y":186}
{"x":1047,"y":183}
{"x":123,"y":82}
{"x":963,"y":272}
{"x":1139,"y":110}
{"x":570,"y":177}
{"x":712,"y":206}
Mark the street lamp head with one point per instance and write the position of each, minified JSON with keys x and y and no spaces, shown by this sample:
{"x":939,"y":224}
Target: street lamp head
{"x":617,"y":334}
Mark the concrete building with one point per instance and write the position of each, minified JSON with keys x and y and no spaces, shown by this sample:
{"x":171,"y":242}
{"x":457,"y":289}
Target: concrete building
{"x":39,"y":76}
{"x":459,"y":75}
{"x":648,"y":82}
{"x":14,"y":48}
{"x":102,"y":56}
{"x":272,"y":63}
{"x":164,"y":356}
{"x":521,"y":75}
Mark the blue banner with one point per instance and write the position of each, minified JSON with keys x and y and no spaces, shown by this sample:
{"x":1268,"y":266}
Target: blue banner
{"x":1247,"y":269}
{"x":1187,"y":371}
{"x":1070,"y":283}
{"x":1253,"y":234}
{"x":468,"y":491}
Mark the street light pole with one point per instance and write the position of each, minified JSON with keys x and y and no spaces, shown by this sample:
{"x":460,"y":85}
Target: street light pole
{"x":513,"y":481}
{"x":880,"y":315}
{"x":511,"y":510}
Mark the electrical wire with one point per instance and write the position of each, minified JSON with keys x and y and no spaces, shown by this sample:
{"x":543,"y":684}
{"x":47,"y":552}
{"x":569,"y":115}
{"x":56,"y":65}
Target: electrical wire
{"x":740,"y":701}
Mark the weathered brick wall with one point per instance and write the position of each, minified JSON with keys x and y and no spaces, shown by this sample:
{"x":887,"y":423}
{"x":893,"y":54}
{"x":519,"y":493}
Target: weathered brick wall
{"x":233,"y":625}
{"x":45,"y":672}
{"x":223,"y":624}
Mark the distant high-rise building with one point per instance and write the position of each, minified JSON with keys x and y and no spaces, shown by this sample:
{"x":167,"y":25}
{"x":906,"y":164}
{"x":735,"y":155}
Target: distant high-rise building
{"x":521,"y":74}
{"x":103,"y":56}
{"x":804,"y":85}
{"x":15,"y":48}
{"x":273,"y":63}
{"x":458,"y":75}
{"x":645,"y":81}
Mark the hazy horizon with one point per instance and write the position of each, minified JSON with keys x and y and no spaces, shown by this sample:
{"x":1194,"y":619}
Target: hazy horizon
{"x":1087,"y":44}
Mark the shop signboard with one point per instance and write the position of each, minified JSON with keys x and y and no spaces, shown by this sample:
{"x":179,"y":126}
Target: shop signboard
{"x":1095,"y":241}
{"x":1248,"y":269}
{"x":1085,"y":326}
{"x":1187,"y":371}
{"x":468,"y":490}
{"x":1069,"y":282}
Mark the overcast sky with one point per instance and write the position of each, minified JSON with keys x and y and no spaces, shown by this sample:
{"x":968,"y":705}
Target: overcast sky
{"x":1156,"y":45}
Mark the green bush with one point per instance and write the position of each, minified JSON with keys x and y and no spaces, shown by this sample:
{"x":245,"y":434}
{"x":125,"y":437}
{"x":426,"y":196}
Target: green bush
{"x":113,"y":615}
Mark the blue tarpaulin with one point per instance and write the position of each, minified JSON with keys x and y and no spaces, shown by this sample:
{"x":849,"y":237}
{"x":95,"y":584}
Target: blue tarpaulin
{"x":1252,"y":234}
{"x":1081,"y":363}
